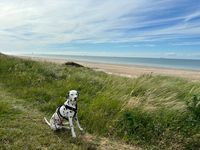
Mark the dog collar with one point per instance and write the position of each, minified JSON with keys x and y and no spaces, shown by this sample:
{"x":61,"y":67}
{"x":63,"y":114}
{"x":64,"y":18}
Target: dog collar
{"x":72,"y":108}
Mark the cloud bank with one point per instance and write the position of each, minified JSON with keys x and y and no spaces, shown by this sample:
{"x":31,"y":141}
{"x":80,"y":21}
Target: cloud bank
{"x":41,"y":24}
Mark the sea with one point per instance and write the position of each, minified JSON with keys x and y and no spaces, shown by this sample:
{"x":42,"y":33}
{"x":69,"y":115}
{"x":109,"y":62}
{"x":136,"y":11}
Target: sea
{"x":187,"y":64}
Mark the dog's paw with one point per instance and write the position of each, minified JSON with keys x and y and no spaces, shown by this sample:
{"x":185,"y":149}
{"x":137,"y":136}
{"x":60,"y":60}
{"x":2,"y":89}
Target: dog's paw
{"x":73,"y":135}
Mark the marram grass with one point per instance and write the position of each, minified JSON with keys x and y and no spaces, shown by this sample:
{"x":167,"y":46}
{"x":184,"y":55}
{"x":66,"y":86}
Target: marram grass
{"x":151,"y":111}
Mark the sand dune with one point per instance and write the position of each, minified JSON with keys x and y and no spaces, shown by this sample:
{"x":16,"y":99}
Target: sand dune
{"x":128,"y":70}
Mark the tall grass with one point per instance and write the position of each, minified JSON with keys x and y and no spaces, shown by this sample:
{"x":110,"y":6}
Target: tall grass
{"x":150,"y":110}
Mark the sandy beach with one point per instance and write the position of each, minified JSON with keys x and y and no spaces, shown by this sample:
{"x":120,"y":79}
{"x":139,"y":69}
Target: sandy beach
{"x":131,"y":71}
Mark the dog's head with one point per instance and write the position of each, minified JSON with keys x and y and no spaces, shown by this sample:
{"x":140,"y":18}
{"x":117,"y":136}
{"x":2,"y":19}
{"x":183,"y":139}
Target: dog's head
{"x":73,"y":96}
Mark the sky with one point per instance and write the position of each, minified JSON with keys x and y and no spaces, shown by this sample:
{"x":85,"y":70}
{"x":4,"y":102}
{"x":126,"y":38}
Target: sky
{"x":128,"y":28}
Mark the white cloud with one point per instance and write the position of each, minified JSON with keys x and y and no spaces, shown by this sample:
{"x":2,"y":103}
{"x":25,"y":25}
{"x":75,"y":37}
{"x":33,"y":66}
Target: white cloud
{"x":192,"y":16}
{"x":186,"y":43}
{"x":170,"y":54}
{"x":28,"y":24}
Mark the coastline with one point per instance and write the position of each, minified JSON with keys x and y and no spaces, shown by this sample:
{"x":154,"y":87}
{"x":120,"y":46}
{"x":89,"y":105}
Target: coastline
{"x":131,"y":71}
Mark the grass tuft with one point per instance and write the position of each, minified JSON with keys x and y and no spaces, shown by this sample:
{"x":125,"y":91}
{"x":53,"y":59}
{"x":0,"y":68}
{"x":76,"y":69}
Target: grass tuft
{"x":156,"y":112}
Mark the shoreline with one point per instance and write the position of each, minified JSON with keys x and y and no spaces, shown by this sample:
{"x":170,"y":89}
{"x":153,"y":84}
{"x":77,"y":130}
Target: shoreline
{"x":126,"y":70}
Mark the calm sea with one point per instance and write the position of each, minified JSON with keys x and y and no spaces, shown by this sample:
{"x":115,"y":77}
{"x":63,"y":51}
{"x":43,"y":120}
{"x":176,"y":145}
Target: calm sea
{"x":188,"y":64}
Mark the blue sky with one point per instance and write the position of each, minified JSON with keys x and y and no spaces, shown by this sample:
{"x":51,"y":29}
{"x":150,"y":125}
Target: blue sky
{"x":138,"y":28}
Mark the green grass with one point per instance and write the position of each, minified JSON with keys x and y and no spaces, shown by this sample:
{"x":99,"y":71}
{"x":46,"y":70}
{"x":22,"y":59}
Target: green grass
{"x":151,"y":111}
{"x":22,"y":127}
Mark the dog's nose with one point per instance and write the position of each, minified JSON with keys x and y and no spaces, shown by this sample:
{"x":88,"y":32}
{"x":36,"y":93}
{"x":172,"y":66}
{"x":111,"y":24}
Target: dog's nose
{"x":75,"y":98}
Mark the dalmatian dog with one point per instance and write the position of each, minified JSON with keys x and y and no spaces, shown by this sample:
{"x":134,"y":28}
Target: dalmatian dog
{"x":67,"y":111}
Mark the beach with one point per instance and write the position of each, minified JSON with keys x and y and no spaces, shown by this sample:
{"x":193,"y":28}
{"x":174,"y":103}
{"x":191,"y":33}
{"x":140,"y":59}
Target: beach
{"x":131,"y":71}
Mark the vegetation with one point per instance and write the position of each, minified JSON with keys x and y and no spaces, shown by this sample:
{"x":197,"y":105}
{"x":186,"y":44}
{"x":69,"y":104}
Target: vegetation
{"x":194,"y":106}
{"x":157,"y":112}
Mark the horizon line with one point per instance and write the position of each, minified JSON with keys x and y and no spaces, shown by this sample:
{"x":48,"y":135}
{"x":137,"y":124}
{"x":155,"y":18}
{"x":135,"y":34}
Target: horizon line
{"x":84,"y":55}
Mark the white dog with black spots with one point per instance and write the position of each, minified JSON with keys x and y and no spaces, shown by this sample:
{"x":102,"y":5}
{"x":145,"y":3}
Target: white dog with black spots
{"x":67,"y":111}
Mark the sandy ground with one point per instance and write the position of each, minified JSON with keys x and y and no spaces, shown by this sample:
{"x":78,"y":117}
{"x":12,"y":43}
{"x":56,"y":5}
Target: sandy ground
{"x":128,"y":70}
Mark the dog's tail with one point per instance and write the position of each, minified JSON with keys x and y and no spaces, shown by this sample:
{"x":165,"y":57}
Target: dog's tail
{"x":47,"y":121}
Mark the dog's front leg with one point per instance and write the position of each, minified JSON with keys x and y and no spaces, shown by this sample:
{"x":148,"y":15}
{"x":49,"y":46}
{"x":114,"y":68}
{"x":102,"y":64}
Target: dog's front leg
{"x":72,"y":127}
{"x":78,"y":124}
